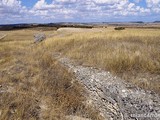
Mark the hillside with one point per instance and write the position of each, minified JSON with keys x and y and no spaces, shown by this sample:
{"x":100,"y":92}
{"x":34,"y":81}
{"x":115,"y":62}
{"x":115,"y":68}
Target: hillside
{"x":79,"y":73}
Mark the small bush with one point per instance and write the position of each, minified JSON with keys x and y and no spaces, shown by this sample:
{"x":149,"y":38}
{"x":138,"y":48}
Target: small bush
{"x":119,"y":28}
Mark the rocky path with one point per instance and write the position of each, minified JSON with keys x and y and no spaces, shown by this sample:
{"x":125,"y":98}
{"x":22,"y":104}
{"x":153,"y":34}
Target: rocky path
{"x":115,"y":99}
{"x":2,"y":36}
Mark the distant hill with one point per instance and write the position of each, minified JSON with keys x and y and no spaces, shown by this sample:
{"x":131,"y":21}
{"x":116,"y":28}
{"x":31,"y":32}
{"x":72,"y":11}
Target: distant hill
{"x":137,"y":22}
{"x":15,"y":26}
{"x":156,"y":22}
{"x":57,"y":25}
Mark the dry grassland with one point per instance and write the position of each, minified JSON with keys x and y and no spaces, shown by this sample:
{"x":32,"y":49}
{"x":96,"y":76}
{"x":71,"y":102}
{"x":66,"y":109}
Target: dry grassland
{"x":133,"y":54}
{"x":33,"y":85}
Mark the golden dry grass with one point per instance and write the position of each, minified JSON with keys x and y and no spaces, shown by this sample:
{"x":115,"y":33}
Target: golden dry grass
{"x":133,"y":54}
{"x":33,"y":85}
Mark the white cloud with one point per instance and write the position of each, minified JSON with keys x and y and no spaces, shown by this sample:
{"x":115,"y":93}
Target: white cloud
{"x":66,"y":1}
{"x":151,"y":3}
{"x":42,"y":5}
{"x":154,"y":5}
{"x":78,"y":9}
{"x":92,"y":9}
{"x":108,"y":1}
{"x":10,"y":3}
{"x":11,"y":8}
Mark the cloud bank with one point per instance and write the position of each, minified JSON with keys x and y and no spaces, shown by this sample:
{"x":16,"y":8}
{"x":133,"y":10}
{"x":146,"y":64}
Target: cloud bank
{"x":12,"y":11}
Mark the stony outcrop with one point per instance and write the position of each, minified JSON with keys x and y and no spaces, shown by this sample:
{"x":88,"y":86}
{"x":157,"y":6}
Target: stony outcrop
{"x":115,"y":99}
{"x":2,"y":36}
{"x":39,"y":37}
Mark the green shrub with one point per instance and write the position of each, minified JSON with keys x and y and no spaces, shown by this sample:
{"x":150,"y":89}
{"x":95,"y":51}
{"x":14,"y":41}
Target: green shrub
{"x":119,"y":28}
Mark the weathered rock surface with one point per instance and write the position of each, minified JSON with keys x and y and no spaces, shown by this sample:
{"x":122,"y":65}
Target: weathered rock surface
{"x":115,"y":99}
{"x":39,"y":37}
{"x":2,"y":36}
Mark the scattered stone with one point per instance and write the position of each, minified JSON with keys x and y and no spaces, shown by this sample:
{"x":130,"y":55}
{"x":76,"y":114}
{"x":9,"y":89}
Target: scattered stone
{"x":115,"y":99}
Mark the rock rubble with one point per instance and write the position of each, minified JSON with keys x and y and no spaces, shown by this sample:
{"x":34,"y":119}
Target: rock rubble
{"x":115,"y":99}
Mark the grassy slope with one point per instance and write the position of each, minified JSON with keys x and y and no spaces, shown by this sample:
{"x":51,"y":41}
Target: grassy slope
{"x":133,"y":54}
{"x":36,"y":86}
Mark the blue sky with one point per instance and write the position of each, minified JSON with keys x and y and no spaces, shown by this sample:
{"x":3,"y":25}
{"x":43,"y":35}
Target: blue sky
{"x":31,"y":3}
{"x":46,"y":11}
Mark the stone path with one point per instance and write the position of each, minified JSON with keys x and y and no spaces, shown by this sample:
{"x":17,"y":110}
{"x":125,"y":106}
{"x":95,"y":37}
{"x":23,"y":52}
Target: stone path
{"x":115,"y":99}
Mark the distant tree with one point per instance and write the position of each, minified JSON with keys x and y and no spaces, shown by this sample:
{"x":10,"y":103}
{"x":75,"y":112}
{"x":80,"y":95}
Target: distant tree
{"x":119,"y":28}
